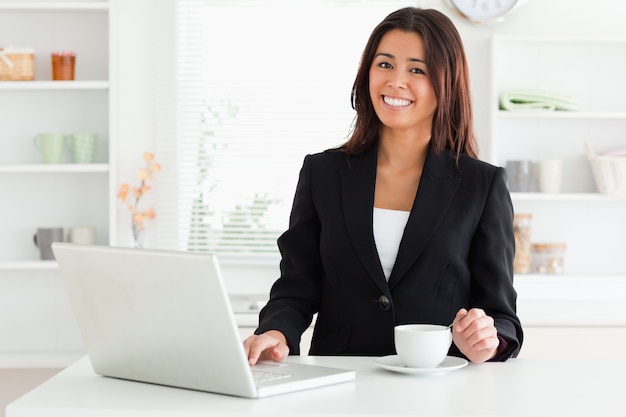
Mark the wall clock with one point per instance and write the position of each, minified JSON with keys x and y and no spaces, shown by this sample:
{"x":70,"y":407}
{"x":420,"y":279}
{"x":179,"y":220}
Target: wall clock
{"x":485,"y":11}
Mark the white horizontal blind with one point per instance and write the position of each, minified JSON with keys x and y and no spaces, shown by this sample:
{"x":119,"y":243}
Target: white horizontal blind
{"x":259,"y":85}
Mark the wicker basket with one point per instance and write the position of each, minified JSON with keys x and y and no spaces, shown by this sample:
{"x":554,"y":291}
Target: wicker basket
{"x":609,"y":172}
{"x":17,"y":64}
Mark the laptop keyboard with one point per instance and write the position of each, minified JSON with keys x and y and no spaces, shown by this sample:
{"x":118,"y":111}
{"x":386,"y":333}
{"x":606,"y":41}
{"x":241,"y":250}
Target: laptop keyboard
{"x":265,"y":376}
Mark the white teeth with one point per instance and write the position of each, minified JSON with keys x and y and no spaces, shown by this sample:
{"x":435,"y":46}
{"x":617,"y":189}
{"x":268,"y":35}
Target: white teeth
{"x":396,"y":102}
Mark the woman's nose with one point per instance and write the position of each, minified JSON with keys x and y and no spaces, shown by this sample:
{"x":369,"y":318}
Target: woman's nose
{"x":397,"y":79}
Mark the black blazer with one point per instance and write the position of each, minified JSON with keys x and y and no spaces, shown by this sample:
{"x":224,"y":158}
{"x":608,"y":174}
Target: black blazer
{"x":457,"y":251}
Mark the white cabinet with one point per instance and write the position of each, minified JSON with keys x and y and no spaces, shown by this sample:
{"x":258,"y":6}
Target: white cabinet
{"x":65,"y":194}
{"x":36,"y":321}
{"x":591,"y":224}
{"x":578,"y":342}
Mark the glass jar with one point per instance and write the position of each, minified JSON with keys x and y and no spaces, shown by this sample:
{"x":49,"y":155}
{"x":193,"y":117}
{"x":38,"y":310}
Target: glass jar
{"x":548,"y":258}
{"x":63,"y":64}
{"x":521,"y":228}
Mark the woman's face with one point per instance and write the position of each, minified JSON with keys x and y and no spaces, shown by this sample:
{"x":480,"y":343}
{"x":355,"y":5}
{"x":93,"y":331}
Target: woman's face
{"x":399,"y":81}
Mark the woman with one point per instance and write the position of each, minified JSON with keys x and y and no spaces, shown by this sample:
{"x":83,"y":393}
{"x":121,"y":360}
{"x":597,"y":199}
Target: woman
{"x":401,"y":224}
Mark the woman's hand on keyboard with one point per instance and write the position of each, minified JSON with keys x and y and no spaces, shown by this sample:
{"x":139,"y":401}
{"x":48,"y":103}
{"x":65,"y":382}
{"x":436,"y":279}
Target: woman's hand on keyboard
{"x":271,"y":345}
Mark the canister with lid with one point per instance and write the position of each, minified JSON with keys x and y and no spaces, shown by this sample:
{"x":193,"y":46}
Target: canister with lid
{"x":549,"y":258}
{"x":521,"y":229}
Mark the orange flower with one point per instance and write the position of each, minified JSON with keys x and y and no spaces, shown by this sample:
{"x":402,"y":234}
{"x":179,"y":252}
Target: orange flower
{"x":149,"y":214}
{"x":123,"y":192}
{"x":138,"y":220}
{"x":144,"y":174}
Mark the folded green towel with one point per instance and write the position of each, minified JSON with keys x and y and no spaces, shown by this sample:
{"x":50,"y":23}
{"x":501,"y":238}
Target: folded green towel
{"x":536,"y":100}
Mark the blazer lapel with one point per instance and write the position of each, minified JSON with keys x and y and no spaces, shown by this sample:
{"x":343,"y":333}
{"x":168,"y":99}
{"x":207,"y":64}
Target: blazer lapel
{"x":437,"y":187}
{"x":358,"y":181}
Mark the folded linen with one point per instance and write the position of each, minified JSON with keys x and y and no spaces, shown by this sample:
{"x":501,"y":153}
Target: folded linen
{"x":536,"y":100}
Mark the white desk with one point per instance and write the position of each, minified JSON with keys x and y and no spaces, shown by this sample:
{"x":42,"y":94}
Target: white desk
{"x":516,"y":388}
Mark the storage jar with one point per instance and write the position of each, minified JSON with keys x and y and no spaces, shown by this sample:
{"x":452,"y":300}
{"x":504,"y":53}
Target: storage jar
{"x":548,"y":258}
{"x":521,"y":229}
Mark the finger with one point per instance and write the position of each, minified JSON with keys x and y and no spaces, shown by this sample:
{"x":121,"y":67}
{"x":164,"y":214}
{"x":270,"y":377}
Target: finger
{"x":256,"y":346}
{"x":462,"y":320}
{"x":476,"y":313}
{"x":472,"y":317}
{"x":474,"y":327}
{"x":484,"y":339}
{"x":460,"y":314}
{"x":279,"y":352}
{"x":481,"y":334}
{"x":266,"y":347}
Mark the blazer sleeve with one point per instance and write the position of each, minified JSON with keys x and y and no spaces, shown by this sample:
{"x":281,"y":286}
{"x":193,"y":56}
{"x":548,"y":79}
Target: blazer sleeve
{"x":294,"y":297}
{"x":491,"y":265}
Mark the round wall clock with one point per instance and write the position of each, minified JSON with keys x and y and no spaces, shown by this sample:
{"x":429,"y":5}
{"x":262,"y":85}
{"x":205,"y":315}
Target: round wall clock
{"x":485,"y":11}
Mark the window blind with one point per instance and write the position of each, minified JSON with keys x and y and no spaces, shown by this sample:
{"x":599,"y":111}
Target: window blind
{"x":259,"y":84}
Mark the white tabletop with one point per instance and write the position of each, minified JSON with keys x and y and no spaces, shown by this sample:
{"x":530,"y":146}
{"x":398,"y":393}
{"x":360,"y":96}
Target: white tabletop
{"x":519,"y":387}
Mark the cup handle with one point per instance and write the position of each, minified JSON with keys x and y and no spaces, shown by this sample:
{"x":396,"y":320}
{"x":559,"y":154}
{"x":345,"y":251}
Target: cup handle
{"x":35,"y":240}
{"x":36,"y":142}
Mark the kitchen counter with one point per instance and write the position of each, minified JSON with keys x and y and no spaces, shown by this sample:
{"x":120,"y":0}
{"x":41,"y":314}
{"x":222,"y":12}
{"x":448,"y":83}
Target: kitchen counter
{"x":246,"y":308}
{"x":515,"y":388}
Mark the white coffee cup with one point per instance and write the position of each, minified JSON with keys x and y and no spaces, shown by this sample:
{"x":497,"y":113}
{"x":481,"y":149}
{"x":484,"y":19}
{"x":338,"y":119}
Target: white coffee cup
{"x":83,"y":235}
{"x":422,"y":345}
{"x":550,"y":175}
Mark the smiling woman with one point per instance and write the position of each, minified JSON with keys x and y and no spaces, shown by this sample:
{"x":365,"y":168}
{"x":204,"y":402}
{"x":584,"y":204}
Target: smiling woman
{"x":260,"y":85}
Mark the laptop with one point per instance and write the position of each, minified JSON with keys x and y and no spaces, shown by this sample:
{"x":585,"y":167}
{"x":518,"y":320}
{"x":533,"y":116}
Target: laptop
{"x":164,"y":317}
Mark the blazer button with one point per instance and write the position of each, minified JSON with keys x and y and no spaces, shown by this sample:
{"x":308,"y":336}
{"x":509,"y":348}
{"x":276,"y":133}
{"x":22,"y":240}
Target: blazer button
{"x":384,"y":303}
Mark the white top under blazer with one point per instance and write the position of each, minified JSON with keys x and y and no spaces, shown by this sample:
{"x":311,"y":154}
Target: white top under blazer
{"x":388,"y":230}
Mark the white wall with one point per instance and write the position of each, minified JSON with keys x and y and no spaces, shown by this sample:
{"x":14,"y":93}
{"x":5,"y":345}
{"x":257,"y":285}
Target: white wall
{"x":144,"y":25}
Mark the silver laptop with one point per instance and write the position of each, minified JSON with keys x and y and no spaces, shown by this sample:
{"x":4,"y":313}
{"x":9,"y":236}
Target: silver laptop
{"x":164,"y":317}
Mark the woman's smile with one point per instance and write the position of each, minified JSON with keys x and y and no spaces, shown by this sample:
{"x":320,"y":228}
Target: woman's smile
{"x":396,"y":102}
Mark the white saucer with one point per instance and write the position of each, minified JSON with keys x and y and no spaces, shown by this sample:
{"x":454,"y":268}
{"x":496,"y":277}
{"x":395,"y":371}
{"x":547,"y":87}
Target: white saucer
{"x":393,"y":363}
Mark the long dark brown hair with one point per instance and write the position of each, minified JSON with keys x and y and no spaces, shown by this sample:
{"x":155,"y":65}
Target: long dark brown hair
{"x":447,"y":66}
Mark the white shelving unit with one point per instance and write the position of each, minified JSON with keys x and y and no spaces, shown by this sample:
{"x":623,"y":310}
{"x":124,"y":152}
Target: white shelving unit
{"x":36,"y":320}
{"x":591,"y":224}
{"x":65,"y":194}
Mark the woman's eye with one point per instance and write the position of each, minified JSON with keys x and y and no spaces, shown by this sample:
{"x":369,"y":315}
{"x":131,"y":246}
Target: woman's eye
{"x":385,"y":65}
{"x":418,"y":71}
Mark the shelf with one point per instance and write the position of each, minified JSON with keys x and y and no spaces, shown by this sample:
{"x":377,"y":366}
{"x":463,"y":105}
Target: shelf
{"x":54,"y":85}
{"x":592,"y":197}
{"x":59,"y":5}
{"x":571,"y":287}
{"x":585,"y":40}
{"x":53,"y":168}
{"x":28,"y":265}
{"x":562,"y":115}
{"x":572,"y":279}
